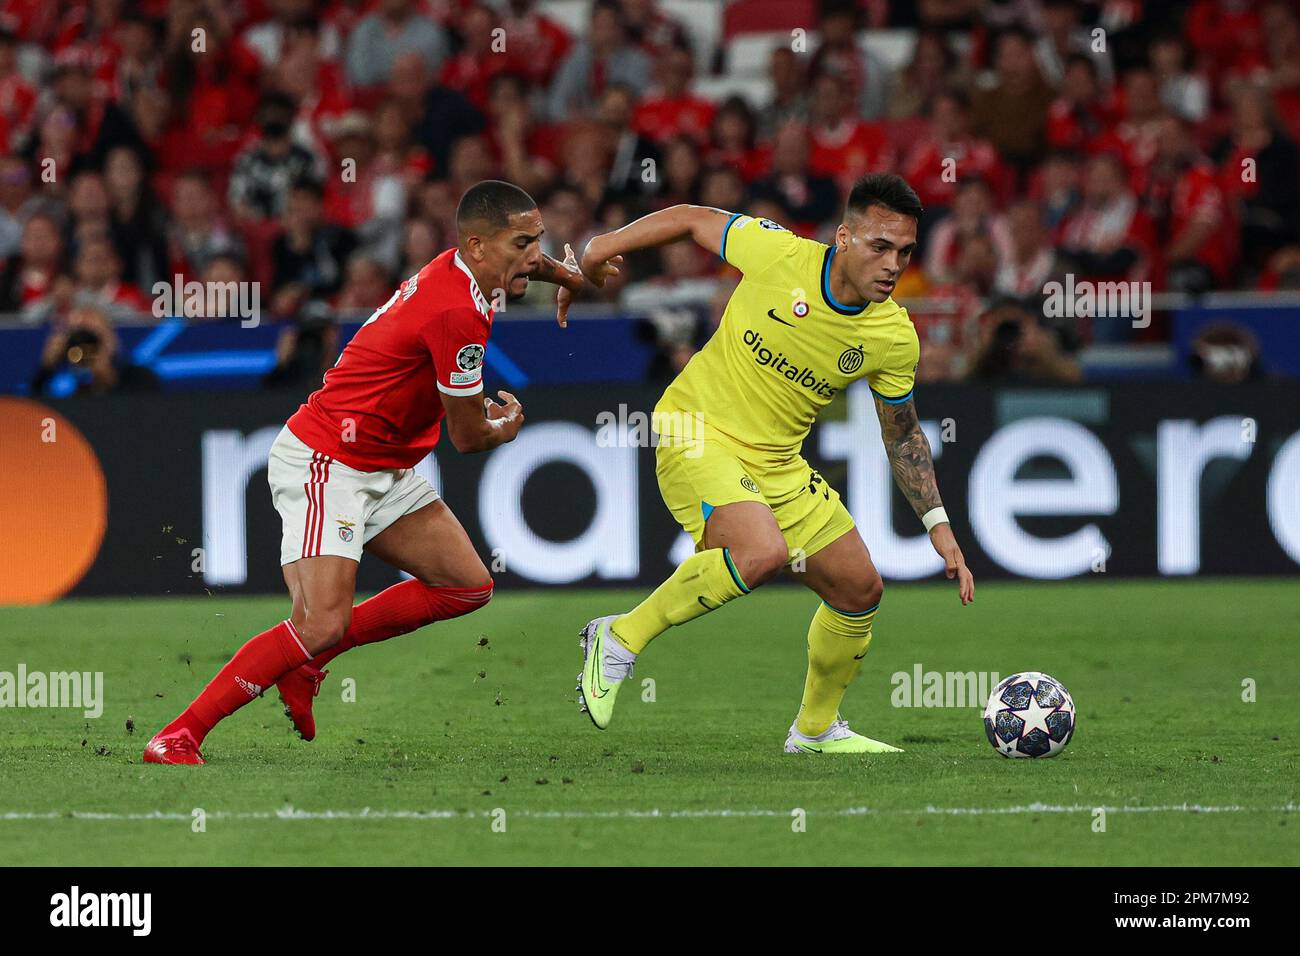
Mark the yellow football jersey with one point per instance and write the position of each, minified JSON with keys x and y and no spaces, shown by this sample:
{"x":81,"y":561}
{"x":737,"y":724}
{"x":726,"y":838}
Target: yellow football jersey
{"x":785,"y":347}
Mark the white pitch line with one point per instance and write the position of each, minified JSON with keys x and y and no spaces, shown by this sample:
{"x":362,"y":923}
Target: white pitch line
{"x":367,"y":813}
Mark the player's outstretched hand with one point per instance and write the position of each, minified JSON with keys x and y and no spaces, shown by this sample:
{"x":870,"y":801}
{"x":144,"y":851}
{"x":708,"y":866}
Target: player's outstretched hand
{"x":508,"y":410}
{"x":955,"y":563}
{"x":564,"y":297}
{"x":596,"y":268}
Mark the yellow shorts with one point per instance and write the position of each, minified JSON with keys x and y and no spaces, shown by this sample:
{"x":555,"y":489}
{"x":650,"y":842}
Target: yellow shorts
{"x":694,"y":478}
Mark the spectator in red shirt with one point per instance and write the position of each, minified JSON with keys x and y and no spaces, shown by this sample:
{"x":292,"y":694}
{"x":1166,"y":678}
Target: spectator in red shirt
{"x":315,"y":83}
{"x":90,"y":33}
{"x":396,"y":153}
{"x":514,"y":126}
{"x":948,"y":324}
{"x":213,"y":90}
{"x":482,"y":56}
{"x":973,"y":214}
{"x":536,"y":44}
{"x":1136,"y":134}
{"x":1259,"y":171}
{"x":17,"y":96}
{"x":1031,"y":260}
{"x":1081,"y":114}
{"x":1197,"y":229}
{"x":29,"y":276}
{"x":840,"y":56}
{"x":1226,"y":33}
{"x":670,"y":109}
{"x":98,"y":272}
{"x":1108,"y":237}
{"x":950,"y":152}
{"x":735,"y":140}
{"x":844,"y":146}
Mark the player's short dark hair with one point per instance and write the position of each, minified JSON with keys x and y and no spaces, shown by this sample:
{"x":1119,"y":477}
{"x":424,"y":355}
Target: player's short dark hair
{"x":491,"y":203}
{"x":883,"y":189}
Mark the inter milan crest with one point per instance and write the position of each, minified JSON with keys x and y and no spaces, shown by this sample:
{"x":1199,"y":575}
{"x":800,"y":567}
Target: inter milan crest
{"x":851,"y":360}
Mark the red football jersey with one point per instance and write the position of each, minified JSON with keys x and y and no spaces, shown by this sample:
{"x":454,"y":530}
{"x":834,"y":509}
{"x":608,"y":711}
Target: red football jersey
{"x":379,"y":406}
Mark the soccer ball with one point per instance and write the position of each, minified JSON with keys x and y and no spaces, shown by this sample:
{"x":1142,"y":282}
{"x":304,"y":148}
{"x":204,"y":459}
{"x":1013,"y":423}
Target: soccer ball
{"x":1029,"y":715}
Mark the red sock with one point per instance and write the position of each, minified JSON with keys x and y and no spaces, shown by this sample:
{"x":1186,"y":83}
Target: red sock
{"x":401,"y":609}
{"x":255,"y":667}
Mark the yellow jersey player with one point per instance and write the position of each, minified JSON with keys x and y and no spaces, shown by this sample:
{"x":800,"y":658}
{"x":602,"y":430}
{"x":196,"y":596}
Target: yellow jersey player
{"x":806,"y":320}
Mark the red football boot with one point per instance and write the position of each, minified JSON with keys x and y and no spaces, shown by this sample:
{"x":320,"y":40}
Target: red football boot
{"x":176,"y":747}
{"x":297,"y":688}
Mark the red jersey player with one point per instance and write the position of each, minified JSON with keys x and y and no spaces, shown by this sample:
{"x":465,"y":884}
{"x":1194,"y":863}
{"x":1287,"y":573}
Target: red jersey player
{"x":341,"y":470}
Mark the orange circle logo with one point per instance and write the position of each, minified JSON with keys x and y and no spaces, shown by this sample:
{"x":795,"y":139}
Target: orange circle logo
{"x":53,"y":503}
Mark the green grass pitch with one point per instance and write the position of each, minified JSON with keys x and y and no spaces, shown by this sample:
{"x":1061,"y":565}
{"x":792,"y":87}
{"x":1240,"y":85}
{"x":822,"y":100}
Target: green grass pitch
{"x":477,"y":715}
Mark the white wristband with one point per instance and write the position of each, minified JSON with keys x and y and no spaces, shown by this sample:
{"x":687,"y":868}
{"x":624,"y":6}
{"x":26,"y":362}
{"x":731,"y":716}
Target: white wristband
{"x":933,"y":517}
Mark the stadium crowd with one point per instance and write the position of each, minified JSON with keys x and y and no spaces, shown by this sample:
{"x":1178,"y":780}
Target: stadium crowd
{"x":319,"y":148}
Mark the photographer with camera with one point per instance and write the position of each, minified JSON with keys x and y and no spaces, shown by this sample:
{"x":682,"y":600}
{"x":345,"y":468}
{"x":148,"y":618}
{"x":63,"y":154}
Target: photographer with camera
{"x":81,"y":357}
{"x":1015,"y":345}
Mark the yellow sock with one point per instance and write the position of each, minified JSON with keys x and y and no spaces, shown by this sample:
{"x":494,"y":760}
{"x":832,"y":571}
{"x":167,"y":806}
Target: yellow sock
{"x":837,"y":642}
{"x":702,"y":583}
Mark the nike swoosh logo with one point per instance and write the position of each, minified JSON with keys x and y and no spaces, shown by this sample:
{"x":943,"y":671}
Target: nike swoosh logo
{"x":705,"y":604}
{"x":858,"y":657}
{"x":771,"y":313}
{"x":598,"y":655}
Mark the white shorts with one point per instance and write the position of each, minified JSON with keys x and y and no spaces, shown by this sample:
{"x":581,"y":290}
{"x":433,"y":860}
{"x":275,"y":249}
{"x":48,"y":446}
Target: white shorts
{"x":328,"y":508}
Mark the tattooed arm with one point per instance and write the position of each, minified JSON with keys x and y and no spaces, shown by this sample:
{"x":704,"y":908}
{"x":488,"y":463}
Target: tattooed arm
{"x":558,"y":273}
{"x":913,"y":465}
{"x":704,"y":224}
